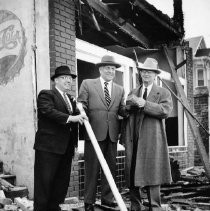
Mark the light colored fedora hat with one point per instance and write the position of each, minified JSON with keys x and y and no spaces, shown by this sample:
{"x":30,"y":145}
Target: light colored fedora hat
{"x":108,"y":60}
{"x":150,"y":64}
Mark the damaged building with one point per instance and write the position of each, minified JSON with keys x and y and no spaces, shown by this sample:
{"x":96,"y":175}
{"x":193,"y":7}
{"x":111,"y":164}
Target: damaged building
{"x":37,"y":36}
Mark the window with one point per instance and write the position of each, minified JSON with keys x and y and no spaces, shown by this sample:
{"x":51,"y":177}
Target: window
{"x":131,"y":85}
{"x":200,"y":77}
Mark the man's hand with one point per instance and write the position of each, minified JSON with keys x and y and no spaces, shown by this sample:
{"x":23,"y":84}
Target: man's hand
{"x":133,"y":100}
{"x":141,"y":102}
{"x":78,"y":118}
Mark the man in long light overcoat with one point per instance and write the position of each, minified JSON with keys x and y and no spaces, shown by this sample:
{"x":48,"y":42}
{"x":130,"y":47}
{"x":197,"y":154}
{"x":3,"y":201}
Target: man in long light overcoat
{"x":144,"y":137}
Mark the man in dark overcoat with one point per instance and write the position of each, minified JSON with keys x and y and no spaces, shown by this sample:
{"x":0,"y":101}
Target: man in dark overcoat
{"x":55,"y":141}
{"x":144,"y":137}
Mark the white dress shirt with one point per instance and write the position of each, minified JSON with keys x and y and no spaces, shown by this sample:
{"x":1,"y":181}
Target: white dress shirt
{"x":148,"y":89}
{"x":62,"y":94}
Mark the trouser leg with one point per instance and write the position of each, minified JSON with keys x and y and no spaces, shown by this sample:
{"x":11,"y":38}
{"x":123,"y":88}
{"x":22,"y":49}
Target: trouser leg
{"x":135,"y":198}
{"x":92,"y":167}
{"x":153,"y":193}
{"x":109,"y":150}
{"x":61,"y":181}
{"x":44,"y":173}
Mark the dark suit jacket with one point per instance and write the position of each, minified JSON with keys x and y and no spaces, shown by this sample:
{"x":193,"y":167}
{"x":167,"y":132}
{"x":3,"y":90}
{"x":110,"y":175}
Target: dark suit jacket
{"x":54,"y":134}
{"x":102,"y":118}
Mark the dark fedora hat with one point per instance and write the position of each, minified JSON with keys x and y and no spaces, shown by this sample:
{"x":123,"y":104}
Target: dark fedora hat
{"x":62,"y":70}
{"x":108,"y":60}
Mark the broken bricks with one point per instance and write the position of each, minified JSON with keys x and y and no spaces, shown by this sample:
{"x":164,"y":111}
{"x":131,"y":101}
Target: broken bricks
{"x":11,"y":207}
{"x":191,"y":192}
{"x":24,"y":204}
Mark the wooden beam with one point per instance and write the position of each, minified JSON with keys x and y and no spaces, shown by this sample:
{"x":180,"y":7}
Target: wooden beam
{"x":127,"y":28}
{"x":153,"y":15}
{"x":118,"y":40}
{"x":180,"y":64}
{"x":191,"y":122}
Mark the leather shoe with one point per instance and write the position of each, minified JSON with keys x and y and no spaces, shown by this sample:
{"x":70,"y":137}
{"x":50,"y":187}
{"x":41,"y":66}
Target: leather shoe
{"x":109,"y":204}
{"x":139,"y":207}
{"x":89,"y":207}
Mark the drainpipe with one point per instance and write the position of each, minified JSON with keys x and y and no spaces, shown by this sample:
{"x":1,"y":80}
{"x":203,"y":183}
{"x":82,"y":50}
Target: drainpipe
{"x":208,"y":85}
{"x":33,"y":69}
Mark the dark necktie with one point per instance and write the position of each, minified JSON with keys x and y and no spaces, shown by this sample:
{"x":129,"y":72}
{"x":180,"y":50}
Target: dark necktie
{"x":145,"y":94}
{"x":67,"y":103}
{"x":106,"y":92}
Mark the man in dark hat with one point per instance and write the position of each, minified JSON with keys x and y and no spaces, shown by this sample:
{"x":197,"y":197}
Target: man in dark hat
{"x":103,"y":101}
{"x":55,"y":141}
{"x":147,"y":159}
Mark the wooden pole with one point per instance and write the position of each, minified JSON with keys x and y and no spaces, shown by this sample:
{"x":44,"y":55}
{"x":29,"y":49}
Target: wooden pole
{"x":103,"y":162}
{"x":191,"y":122}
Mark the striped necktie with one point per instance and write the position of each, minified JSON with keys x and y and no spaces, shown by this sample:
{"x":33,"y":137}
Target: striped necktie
{"x":67,"y":103}
{"x":106,"y":92}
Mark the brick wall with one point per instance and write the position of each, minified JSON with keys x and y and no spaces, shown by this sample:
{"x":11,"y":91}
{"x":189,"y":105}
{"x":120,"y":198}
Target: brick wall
{"x":62,"y":35}
{"x":119,"y":179}
{"x":201,"y":112}
{"x":189,"y":76}
{"x":179,"y":154}
{"x":73,"y":190}
{"x":62,"y":52}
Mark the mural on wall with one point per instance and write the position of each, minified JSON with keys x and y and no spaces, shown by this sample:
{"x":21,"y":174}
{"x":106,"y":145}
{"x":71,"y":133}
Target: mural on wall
{"x":12,"y":46}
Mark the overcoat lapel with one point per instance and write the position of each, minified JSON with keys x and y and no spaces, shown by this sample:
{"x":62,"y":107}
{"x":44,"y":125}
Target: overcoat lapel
{"x":154,"y":94}
{"x":100,"y":91}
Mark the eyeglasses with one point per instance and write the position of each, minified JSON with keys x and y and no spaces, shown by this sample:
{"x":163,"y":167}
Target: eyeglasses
{"x":66,"y":77}
{"x":147,"y":72}
{"x":109,"y":68}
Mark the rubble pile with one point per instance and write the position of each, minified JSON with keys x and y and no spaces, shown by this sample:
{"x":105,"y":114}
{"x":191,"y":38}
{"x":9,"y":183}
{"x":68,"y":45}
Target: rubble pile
{"x":190,"y":192}
{"x":13,"y":198}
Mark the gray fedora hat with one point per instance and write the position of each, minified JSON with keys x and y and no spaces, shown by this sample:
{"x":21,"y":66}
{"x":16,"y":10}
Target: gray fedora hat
{"x":108,"y":60}
{"x":150,"y":64}
{"x":62,"y":70}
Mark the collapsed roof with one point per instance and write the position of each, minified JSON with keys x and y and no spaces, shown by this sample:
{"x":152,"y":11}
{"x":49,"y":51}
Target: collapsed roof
{"x":128,"y":23}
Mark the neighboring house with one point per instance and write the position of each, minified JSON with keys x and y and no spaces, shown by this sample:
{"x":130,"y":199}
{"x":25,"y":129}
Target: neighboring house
{"x":201,"y":86}
{"x":36,"y":36}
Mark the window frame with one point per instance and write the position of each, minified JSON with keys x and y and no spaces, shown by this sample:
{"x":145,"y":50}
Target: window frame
{"x":204,"y":78}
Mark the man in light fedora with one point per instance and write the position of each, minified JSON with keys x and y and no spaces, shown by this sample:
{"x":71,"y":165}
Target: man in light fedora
{"x":144,"y":137}
{"x":103,"y":101}
{"x":55,"y":141}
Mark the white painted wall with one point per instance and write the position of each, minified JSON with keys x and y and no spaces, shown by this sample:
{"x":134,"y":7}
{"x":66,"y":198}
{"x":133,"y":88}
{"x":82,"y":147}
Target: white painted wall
{"x":18,"y":95}
{"x":42,"y":45}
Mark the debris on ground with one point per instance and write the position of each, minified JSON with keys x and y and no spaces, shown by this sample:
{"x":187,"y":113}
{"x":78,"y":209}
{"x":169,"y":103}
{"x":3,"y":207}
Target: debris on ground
{"x":189,"y":192}
{"x":13,"y":198}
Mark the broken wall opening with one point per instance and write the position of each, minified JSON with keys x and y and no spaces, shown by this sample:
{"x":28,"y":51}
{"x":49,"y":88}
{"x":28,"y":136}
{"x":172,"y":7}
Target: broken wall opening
{"x":172,"y":121}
